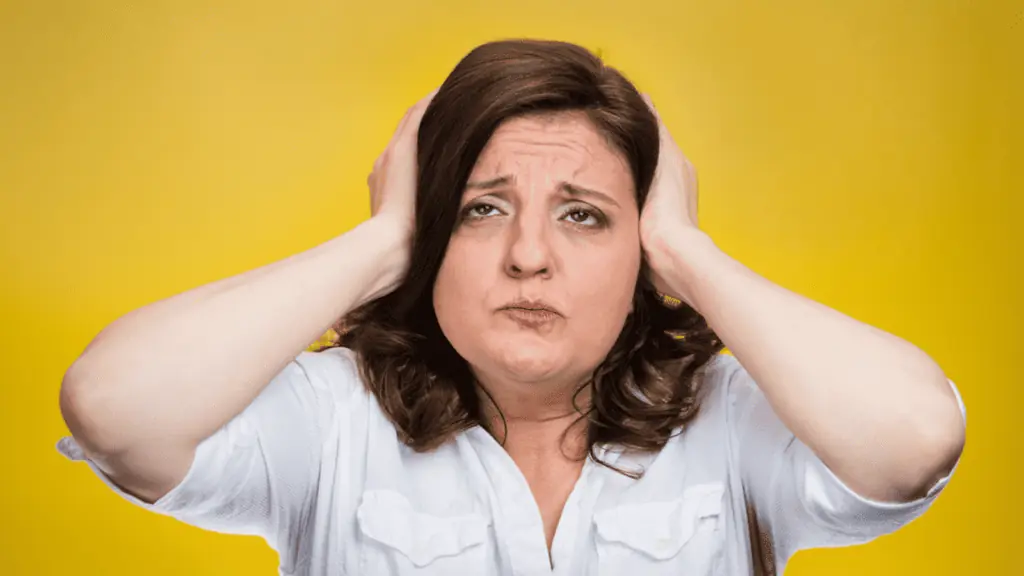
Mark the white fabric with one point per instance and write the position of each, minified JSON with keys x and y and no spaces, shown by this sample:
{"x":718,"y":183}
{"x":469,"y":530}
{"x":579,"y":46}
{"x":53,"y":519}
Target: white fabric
{"x":314,"y":467}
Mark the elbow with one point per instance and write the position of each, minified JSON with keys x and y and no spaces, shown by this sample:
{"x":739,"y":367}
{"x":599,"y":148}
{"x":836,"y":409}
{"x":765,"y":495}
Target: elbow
{"x":944,"y":448}
{"x":87,"y":413}
{"x":939,"y":443}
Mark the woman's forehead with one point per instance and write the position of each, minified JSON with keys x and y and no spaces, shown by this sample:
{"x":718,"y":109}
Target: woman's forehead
{"x":564,"y":146}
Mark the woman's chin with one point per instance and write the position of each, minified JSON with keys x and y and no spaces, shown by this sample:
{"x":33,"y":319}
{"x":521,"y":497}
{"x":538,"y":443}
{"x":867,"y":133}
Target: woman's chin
{"x":531,"y":363}
{"x":520,"y":357}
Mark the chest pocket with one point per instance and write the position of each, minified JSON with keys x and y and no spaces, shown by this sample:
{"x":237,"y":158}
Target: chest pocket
{"x":399,"y":540}
{"x":680,"y":536}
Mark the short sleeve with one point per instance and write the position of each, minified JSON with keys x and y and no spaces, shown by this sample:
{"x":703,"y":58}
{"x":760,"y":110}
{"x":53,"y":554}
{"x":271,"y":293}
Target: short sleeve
{"x":258,"y":474}
{"x":797,"y":498}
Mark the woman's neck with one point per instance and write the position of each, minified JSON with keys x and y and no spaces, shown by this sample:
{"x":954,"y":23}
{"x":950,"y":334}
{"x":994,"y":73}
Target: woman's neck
{"x":534,"y":420}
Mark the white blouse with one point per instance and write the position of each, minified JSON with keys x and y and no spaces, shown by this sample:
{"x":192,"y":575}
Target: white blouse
{"x":315,"y":468}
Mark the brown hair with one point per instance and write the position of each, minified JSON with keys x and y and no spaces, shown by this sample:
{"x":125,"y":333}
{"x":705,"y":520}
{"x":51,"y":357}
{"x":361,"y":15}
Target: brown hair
{"x":645,"y":388}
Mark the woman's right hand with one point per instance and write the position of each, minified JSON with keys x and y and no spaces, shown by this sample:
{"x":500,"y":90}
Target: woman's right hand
{"x":393,"y":179}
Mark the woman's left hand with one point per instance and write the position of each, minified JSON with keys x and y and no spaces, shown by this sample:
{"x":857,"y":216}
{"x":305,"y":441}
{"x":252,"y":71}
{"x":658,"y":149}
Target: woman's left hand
{"x":876,"y":410}
{"x":669,"y":215}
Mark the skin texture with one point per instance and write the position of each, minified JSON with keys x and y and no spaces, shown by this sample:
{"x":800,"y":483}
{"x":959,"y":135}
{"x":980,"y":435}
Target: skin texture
{"x":528,"y":238}
{"x":523,"y":235}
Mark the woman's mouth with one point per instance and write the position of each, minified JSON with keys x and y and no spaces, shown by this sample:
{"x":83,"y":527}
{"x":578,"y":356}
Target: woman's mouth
{"x":530,"y":317}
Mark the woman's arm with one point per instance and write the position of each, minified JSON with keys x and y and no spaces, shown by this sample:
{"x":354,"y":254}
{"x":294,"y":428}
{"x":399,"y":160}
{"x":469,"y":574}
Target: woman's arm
{"x":876,"y":409}
{"x":158,"y":381}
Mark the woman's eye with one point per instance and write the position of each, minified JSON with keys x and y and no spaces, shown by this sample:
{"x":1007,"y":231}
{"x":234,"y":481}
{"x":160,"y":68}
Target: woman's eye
{"x":582,"y":217}
{"x":481,"y":210}
{"x":579,"y":216}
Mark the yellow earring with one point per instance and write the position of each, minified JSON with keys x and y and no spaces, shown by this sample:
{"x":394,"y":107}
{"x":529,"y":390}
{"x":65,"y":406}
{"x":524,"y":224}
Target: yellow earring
{"x":670,"y":301}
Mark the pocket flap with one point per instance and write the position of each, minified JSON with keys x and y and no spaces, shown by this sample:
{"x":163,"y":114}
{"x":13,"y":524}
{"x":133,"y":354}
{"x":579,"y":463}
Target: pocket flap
{"x":388,"y":517}
{"x":660,"y":529}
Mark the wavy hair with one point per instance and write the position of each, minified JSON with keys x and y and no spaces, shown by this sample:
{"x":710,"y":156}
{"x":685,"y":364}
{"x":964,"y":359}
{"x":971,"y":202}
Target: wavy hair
{"x":646,"y":387}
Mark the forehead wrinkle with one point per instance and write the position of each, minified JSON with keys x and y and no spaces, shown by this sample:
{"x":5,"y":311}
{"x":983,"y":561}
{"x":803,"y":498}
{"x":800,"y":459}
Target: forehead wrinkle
{"x":523,"y":148}
{"x":578,"y":151}
{"x":576,"y":142}
{"x":500,"y":158}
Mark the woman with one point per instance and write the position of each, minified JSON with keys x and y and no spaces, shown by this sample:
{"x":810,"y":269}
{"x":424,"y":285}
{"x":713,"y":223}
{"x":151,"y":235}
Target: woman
{"x":510,"y":393}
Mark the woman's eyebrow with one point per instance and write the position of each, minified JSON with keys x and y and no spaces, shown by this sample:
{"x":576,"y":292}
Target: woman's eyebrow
{"x":570,"y":189}
{"x":573,"y":190}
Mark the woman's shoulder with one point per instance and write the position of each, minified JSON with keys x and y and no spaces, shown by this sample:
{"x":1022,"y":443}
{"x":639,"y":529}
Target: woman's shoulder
{"x":723,"y":383}
{"x":334,"y":371}
{"x":718,"y":373}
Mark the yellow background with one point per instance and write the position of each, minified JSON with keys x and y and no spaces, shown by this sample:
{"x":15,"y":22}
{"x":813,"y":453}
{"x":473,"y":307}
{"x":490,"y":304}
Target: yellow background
{"x":866,"y":154}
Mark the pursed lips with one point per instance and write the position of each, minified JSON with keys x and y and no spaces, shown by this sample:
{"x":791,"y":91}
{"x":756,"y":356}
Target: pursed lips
{"x":531,"y":313}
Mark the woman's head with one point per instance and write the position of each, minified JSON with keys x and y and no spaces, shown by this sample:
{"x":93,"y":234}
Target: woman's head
{"x":534,"y":160}
{"x":541,"y":269}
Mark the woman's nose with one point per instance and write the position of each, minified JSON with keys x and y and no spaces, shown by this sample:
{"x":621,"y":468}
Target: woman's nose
{"x":529,"y":253}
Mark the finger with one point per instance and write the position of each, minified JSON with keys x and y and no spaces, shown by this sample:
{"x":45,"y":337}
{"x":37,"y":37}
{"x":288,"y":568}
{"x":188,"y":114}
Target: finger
{"x":425,"y":101}
{"x":411,"y":123}
{"x":654,"y":110}
{"x":663,"y":132}
{"x":400,"y":129}
{"x":669,"y":148}
{"x":650,"y":104}
{"x":416,"y":110}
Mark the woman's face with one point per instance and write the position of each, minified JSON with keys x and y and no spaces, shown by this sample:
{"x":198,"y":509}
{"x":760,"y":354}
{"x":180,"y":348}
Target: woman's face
{"x":540,"y":271}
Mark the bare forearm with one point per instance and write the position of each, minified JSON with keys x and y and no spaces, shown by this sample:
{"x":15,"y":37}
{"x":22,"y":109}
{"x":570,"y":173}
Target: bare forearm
{"x":182,"y":367}
{"x":876,"y":409}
